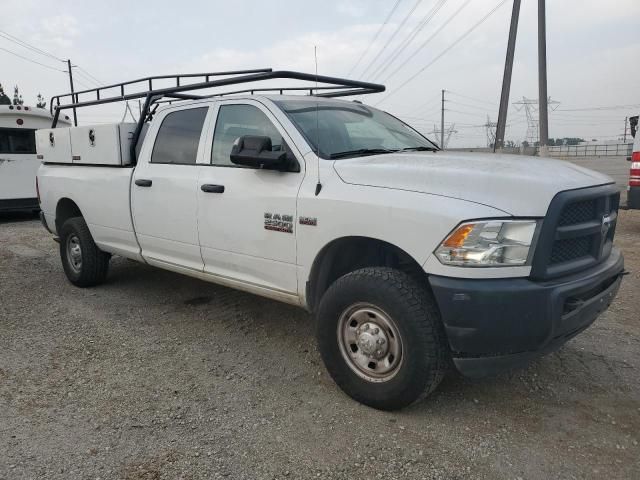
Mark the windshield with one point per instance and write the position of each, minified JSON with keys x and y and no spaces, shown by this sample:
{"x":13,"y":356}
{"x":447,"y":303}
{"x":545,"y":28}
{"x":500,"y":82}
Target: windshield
{"x":346,"y":130}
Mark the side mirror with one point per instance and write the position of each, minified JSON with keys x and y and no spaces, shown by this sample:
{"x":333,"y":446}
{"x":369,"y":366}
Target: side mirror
{"x":255,"y":151}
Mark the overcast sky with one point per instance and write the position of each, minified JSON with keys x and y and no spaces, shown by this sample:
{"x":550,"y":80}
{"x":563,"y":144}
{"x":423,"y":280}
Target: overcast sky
{"x":593,"y":53}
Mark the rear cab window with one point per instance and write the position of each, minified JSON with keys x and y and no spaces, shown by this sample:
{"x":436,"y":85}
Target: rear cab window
{"x":179,"y":136}
{"x":17,"y":141}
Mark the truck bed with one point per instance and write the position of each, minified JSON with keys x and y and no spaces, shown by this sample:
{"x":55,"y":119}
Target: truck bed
{"x":103,"y":195}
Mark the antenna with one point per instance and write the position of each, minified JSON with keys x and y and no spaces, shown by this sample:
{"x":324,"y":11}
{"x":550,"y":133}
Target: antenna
{"x":319,"y":184}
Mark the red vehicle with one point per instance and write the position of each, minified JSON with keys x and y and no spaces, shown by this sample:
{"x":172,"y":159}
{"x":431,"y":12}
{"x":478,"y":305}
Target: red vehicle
{"x":633,"y":196}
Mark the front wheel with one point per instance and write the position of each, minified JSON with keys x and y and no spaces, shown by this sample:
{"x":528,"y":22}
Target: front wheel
{"x":381,"y":338}
{"x":84,"y":263}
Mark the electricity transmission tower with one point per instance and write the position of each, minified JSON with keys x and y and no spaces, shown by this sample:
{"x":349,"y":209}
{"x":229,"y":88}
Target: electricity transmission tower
{"x":491,"y":132}
{"x":530,"y":106}
{"x":438,"y":133}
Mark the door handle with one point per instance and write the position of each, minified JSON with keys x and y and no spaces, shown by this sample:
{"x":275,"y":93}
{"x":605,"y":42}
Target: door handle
{"x":209,"y":188}
{"x":141,"y":182}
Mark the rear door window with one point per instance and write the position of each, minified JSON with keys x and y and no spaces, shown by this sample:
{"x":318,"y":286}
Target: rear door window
{"x":19,"y":141}
{"x":179,"y":136}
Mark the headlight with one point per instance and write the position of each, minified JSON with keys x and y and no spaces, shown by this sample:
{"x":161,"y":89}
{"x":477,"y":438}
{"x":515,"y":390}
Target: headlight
{"x":489,"y":243}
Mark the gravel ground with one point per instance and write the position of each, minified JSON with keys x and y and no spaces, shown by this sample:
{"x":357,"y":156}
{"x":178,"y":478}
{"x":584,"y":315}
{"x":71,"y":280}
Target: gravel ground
{"x":158,"y":376}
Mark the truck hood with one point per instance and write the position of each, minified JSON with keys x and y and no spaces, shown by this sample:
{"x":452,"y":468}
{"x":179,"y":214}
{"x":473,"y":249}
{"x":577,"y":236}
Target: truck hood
{"x":517,"y":185}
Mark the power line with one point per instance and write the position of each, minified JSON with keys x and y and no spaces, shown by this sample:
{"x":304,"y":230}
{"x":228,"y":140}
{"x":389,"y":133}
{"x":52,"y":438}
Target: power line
{"x":375,"y":37}
{"x":96,"y":80}
{"x":473,"y":98}
{"x":427,"y":41}
{"x":456,"y":42}
{"x":86,"y":77}
{"x":421,"y":107}
{"x":32,"y":61}
{"x":82,"y":83}
{"x":83,"y":76}
{"x":484,"y":109}
{"x":24,"y":44}
{"x":393,"y":35}
{"x":466,"y":113}
{"x":393,"y":56}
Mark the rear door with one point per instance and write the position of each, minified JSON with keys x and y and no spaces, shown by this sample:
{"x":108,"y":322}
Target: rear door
{"x":246,"y":216}
{"x":18,"y":163}
{"x":163,"y":192}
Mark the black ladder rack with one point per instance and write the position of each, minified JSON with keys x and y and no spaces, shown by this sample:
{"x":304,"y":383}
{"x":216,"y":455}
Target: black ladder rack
{"x":331,"y":87}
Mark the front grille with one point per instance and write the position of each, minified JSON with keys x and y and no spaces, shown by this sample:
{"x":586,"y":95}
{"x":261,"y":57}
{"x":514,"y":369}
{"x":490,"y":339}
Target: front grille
{"x":578,"y":212}
{"x":570,"y":249}
{"x":577,"y":231}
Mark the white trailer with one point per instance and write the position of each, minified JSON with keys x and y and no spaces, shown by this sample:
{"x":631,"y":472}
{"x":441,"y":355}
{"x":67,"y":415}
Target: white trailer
{"x":18,"y":160}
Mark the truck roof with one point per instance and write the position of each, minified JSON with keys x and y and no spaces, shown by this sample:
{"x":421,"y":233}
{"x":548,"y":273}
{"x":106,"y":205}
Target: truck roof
{"x":26,"y":116}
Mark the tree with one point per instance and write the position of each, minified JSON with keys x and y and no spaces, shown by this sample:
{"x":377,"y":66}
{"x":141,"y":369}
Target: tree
{"x":4,"y":100}
{"x":41,"y":102}
{"x":17,"y":98}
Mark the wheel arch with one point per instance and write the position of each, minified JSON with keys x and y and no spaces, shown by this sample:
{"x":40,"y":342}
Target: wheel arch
{"x":347,"y":254}
{"x":66,"y":209}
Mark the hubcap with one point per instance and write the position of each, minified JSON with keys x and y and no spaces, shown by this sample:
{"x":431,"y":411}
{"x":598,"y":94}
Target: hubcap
{"x":74,"y":253}
{"x":370,"y":342}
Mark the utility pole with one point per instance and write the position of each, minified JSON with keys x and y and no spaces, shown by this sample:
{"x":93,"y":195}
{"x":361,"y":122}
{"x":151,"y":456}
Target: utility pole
{"x":542,"y":79}
{"x":506,"y":78}
{"x":73,"y":99}
{"x":442,"y":123}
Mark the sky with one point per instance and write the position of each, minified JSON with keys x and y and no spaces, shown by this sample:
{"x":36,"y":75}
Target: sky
{"x":593,"y":51}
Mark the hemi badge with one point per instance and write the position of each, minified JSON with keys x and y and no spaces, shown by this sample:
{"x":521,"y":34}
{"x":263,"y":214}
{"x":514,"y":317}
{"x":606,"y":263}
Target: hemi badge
{"x":75,"y":157}
{"x":40,"y":157}
{"x":312,"y":221}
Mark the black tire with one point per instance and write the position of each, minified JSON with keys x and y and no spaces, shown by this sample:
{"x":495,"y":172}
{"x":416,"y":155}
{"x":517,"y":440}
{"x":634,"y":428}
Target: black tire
{"x":94,"y":263}
{"x":412,"y":309}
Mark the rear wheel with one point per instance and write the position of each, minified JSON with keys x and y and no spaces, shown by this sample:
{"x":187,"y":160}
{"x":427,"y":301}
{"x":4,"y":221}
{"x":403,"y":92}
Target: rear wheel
{"x":381,"y":338}
{"x":84,"y":263}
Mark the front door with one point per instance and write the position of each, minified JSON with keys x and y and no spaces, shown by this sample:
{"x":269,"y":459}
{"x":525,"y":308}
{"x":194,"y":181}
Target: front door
{"x":247,"y":217}
{"x":163,"y":194}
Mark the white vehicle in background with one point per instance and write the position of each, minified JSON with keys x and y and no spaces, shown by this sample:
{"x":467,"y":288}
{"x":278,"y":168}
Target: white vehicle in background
{"x":18,"y":162}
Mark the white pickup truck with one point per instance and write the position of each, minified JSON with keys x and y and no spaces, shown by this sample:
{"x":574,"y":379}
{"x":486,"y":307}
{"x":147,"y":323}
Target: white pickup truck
{"x":411,"y":258}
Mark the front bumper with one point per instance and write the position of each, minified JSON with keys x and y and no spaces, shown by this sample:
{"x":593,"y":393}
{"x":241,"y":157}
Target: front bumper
{"x":495,"y":325}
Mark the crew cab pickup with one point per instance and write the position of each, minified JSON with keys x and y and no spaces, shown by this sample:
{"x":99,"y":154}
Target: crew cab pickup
{"x":411,"y":258}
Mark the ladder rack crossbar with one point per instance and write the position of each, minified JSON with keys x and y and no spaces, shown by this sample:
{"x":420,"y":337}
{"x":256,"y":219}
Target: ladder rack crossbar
{"x":333,"y":87}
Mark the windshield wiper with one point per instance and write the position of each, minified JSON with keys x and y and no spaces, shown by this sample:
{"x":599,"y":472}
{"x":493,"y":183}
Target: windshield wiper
{"x":418,"y":149}
{"x":361,"y":151}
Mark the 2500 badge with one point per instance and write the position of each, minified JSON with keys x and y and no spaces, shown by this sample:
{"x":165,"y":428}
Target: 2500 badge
{"x":278,"y":222}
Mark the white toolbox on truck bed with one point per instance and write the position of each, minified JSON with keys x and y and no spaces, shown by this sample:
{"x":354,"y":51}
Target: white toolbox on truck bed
{"x":89,"y":145}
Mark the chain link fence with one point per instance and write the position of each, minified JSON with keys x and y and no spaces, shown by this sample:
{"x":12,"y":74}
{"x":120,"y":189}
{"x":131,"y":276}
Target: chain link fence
{"x":592,"y":150}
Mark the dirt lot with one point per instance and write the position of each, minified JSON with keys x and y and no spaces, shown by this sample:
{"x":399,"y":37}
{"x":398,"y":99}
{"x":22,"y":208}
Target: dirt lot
{"x":159,"y":376}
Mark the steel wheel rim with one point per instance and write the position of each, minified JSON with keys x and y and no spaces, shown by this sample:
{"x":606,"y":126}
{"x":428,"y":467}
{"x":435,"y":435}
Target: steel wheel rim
{"x":370,"y":342}
{"x":74,"y":253}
